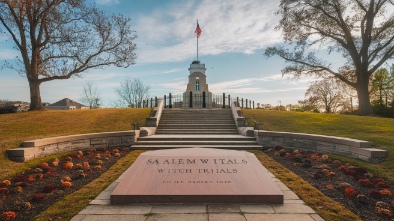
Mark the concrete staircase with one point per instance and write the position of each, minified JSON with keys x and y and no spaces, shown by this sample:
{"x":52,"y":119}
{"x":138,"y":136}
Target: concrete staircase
{"x":208,"y":128}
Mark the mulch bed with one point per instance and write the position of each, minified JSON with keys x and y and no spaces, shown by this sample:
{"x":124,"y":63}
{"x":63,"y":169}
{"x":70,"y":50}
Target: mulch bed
{"x":365,"y":194}
{"x":28,"y":194}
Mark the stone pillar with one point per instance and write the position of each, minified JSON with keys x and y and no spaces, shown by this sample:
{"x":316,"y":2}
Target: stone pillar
{"x":165,"y":101}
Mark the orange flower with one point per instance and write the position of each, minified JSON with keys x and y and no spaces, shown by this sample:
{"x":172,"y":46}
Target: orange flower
{"x":5,"y":183}
{"x":78,"y":166}
{"x":86,"y":164}
{"x":350,"y":192}
{"x":68,"y":165}
{"x":99,"y":162}
{"x":341,"y":168}
{"x":383,"y":212}
{"x":324,"y":157}
{"x":8,"y":215}
{"x":67,"y":184}
{"x":331,"y":174}
{"x":386,"y":193}
{"x":117,"y":154}
{"x":330,"y":187}
{"x":97,"y":167}
{"x":31,"y":179}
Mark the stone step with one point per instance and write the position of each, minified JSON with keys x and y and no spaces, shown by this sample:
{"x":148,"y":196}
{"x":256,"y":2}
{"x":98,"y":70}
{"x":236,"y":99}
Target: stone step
{"x":196,"y":126}
{"x":194,"y":132}
{"x":196,"y":142}
{"x":196,"y":138}
{"x":196,"y":122}
{"x":230,"y":147}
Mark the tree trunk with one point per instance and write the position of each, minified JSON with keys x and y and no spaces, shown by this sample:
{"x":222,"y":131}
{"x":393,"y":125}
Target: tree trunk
{"x":364,"y":103}
{"x":35,"y":95}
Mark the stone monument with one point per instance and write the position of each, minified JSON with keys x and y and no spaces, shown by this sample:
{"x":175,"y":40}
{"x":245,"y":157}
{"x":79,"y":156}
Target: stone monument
{"x":197,"y":94}
{"x":197,"y":175}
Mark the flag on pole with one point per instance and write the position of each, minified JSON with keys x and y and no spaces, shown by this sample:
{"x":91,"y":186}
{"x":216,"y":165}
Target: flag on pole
{"x":198,"y":30}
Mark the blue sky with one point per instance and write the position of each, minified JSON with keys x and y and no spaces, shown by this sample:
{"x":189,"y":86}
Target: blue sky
{"x":234,"y":36}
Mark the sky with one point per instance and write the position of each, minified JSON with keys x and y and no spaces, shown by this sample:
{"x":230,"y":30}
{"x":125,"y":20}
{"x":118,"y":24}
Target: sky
{"x":232,"y":43}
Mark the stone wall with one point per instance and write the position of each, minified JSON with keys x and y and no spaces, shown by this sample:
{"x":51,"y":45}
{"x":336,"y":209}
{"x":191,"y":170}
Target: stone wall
{"x":325,"y":144}
{"x":55,"y":145}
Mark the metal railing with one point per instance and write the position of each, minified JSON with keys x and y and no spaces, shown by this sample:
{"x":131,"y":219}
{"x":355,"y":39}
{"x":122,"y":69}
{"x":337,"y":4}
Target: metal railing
{"x":138,"y":123}
{"x":256,"y":124}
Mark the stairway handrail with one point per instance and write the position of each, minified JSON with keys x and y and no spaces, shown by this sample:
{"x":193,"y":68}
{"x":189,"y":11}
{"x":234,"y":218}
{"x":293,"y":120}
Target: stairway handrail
{"x":256,"y":123}
{"x":136,"y":125}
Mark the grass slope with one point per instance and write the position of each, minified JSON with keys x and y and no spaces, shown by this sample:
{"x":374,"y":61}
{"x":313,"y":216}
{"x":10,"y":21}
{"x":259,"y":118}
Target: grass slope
{"x":16,"y":128}
{"x":377,"y":130}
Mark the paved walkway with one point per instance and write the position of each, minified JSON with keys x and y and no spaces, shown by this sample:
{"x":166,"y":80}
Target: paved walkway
{"x":293,"y":209}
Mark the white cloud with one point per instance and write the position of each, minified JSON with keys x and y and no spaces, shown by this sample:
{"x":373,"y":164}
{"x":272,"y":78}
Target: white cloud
{"x":6,"y":54}
{"x":227,"y":26}
{"x":107,"y":2}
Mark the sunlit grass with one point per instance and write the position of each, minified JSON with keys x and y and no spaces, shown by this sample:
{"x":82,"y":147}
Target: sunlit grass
{"x":379,"y":131}
{"x":19,"y":127}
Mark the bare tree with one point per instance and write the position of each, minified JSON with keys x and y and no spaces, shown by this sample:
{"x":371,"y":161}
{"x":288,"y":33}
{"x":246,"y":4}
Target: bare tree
{"x":360,"y":30}
{"x":326,"y":93}
{"x":132,"y":92}
{"x":90,"y":95}
{"x":58,"y":39}
{"x":309,"y":105}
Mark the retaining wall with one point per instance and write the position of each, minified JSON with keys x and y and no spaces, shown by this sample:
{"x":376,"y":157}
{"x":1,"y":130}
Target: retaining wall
{"x":55,"y":145}
{"x":326,"y":144}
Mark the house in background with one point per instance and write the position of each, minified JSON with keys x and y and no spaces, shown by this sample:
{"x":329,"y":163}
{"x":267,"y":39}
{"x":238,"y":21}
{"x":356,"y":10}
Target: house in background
{"x":66,"y":104}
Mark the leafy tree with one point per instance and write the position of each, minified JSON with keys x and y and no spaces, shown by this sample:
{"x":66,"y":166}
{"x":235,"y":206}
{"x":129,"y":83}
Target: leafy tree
{"x":309,"y":105}
{"x":326,"y":94}
{"x":90,"y":95}
{"x":382,"y":87}
{"x":131,"y":93}
{"x":360,"y":30}
{"x":58,"y":39}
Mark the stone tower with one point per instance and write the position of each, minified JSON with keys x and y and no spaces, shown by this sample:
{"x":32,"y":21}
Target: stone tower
{"x":196,"y":87}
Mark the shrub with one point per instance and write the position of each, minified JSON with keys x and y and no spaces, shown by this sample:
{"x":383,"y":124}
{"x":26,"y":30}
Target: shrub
{"x":386,"y":193}
{"x":8,"y":215}
{"x":49,"y":188}
{"x":67,"y":184}
{"x":5,"y":183}
{"x":38,"y":197}
{"x":350,"y":192}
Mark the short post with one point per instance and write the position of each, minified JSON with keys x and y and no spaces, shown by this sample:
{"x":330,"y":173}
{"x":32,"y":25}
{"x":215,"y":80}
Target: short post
{"x":250,"y":104}
{"x":229,"y":101}
{"x":224,"y":100}
{"x":204,"y":105}
{"x":191,"y":100}
{"x":242,"y":102}
{"x":253,"y":104}
{"x":170,"y":101}
{"x":237,"y":101}
{"x":246,"y":106}
{"x":156,"y":101}
{"x":165,"y":101}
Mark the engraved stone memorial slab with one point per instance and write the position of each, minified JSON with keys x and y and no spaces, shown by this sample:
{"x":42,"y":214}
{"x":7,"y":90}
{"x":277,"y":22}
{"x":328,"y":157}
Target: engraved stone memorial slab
{"x":197,"y":175}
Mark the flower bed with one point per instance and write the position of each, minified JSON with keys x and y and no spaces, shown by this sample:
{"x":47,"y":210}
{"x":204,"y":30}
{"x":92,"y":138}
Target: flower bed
{"x":365,"y":194}
{"x":26,"y":195}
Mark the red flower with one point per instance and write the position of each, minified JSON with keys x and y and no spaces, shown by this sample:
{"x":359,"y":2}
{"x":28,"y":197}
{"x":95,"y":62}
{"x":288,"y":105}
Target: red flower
{"x":39,"y":197}
{"x":341,"y":168}
{"x":8,"y":215}
{"x":375,"y":194}
{"x":365,"y":182}
{"x":350,"y":192}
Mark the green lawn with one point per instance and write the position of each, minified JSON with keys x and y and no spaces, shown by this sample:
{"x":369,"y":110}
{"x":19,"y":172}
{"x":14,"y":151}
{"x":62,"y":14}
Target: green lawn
{"x":379,"y":131}
{"x":19,"y":127}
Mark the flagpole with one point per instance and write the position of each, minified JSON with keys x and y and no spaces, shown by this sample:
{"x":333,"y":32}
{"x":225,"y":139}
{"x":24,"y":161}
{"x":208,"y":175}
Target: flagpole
{"x":197,"y":42}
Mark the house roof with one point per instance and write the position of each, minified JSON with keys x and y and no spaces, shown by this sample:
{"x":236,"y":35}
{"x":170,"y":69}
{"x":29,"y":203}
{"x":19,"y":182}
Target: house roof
{"x":66,"y":102}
